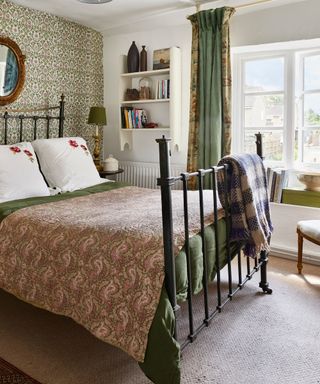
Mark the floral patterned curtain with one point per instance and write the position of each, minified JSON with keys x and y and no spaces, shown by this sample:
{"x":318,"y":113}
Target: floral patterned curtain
{"x":210,"y":100}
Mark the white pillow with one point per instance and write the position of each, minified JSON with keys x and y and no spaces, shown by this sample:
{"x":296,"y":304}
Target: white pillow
{"x":66,"y":163}
{"x":20,"y":176}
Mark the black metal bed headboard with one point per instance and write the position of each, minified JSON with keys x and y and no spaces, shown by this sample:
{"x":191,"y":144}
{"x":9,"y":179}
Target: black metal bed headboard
{"x":21,"y":117}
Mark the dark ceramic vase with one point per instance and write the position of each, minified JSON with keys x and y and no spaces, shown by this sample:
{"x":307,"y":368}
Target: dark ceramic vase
{"x":143,"y":59}
{"x":133,"y":58}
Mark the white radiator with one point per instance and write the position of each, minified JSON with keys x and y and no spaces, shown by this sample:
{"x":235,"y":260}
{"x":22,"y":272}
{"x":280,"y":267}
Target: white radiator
{"x":145,"y":174}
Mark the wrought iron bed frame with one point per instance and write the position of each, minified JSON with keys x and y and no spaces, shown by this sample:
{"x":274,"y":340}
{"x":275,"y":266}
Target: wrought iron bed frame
{"x":20,"y":115}
{"x":166,"y":182}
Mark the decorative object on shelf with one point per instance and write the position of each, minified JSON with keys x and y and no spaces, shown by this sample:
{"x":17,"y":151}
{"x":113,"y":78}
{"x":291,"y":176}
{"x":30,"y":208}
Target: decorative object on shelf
{"x":145,"y":88}
{"x":143,"y":59}
{"x":161,"y":58}
{"x":110,"y":164}
{"x":151,"y":125}
{"x":133,"y":58}
{"x":310,"y":180}
{"x":131,"y":94}
{"x":97,"y":116}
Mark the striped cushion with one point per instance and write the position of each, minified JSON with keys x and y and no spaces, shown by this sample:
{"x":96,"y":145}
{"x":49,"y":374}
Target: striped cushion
{"x":310,"y":228}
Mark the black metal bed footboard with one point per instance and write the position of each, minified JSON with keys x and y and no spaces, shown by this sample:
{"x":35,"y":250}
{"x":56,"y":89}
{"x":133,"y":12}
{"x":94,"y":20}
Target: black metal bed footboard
{"x":166,"y":182}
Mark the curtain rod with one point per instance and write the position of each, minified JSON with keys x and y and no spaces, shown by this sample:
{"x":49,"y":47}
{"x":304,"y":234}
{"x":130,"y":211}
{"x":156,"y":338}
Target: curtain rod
{"x":198,"y":4}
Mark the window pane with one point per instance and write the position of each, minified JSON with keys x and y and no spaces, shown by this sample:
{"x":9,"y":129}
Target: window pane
{"x":296,"y":145}
{"x":312,"y":109}
{"x":264,"y":111}
{"x":272,"y":144}
{"x":312,"y":72}
{"x":264,"y":75}
{"x":311,"y":147}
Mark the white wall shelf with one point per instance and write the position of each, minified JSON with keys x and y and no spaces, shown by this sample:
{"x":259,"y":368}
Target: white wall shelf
{"x":155,"y":72}
{"x":149,"y":101}
{"x":165,"y":112}
{"x":145,"y":129}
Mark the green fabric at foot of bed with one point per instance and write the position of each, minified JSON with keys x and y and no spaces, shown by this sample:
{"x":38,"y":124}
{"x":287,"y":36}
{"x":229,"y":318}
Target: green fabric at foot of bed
{"x":162,"y":359}
{"x":196,"y":260}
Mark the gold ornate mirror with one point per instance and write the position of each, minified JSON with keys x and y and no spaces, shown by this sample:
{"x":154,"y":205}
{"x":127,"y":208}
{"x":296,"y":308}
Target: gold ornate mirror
{"x":12,"y":71}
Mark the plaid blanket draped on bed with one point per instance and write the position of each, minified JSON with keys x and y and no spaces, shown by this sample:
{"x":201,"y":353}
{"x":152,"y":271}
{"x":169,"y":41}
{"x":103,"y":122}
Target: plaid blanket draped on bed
{"x":248,"y":201}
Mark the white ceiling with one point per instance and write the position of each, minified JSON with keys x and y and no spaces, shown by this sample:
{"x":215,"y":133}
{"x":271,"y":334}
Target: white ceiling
{"x":121,"y":16}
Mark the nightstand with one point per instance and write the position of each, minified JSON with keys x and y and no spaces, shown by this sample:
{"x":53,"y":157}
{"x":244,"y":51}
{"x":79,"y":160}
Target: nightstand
{"x":110,"y":173}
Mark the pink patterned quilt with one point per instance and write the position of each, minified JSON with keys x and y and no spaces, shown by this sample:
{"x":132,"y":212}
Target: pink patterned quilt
{"x":97,"y":259}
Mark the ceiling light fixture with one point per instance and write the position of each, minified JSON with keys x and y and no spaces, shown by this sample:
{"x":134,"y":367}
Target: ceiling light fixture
{"x":95,"y":1}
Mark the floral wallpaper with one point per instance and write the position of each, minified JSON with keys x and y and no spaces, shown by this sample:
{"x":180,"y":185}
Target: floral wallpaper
{"x":61,"y":57}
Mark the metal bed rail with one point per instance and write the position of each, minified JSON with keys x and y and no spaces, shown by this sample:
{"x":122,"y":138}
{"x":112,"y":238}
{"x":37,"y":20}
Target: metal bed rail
{"x":166,"y":182}
{"x":19,"y":114}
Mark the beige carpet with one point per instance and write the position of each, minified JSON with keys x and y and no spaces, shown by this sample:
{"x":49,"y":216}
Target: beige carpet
{"x":257,"y":339}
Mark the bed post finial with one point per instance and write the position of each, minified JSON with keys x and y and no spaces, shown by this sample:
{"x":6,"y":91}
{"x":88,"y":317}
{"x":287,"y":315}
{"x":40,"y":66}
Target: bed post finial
{"x":61,"y":115}
{"x":259,"y":144}
{"x":165,"y":182}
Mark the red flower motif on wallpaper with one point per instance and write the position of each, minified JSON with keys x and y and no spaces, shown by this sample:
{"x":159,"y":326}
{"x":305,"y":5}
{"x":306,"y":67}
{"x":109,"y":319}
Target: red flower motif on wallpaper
{"x":73,"y":143}
{"x":15,"y":149}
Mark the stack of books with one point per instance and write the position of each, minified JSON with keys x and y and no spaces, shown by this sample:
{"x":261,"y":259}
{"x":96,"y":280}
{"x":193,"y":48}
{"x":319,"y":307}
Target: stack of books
{"x":133,"y":118}
{"x":277,"y":180}
{"x":163,"y":89}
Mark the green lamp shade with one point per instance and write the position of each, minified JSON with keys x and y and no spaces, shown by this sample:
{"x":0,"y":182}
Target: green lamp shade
{"x":97,"y":115}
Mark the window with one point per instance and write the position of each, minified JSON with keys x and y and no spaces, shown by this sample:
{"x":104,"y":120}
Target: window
{"x":307,"y":135}
{"x":278,"y":94}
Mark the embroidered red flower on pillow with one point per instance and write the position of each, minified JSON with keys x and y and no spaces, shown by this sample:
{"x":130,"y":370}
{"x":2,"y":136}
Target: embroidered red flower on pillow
{"x":85,"y":149}
{"x":29,"y":154}
{"x":15,"y":149}
{"x":73,"y":143}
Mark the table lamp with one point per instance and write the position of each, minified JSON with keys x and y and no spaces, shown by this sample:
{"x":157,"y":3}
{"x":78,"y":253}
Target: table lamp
{"x":97,"y":116}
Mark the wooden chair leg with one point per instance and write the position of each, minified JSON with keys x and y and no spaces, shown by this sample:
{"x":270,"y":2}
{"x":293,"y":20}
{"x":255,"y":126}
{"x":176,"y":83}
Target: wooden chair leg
{"x":300,"y":248}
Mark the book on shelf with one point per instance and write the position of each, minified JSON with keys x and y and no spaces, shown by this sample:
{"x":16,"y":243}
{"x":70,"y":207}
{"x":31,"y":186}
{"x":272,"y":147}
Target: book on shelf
{"x":277,"y":180}
{"x":163,"y":89}
{"x":133,"y":118}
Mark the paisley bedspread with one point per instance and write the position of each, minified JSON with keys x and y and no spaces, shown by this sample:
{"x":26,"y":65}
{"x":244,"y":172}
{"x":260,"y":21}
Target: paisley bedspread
{"x":97,"y":259}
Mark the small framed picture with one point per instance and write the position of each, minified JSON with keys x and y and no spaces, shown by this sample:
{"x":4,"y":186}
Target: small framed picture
{"x":161,"y":58}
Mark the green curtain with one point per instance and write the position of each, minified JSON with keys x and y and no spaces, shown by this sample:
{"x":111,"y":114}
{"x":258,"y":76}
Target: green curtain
{"x":210,"y":102}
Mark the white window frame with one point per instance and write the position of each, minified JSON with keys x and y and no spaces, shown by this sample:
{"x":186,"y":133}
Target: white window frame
{"x":293,"y":53}
{"x":300,"y":93}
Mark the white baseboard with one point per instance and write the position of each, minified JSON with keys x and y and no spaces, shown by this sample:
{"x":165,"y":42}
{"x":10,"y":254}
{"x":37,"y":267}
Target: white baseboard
{"x":291,"y":254}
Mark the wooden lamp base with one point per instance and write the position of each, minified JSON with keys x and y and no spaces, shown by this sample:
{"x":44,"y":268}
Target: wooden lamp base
{"x":96,"y":152}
